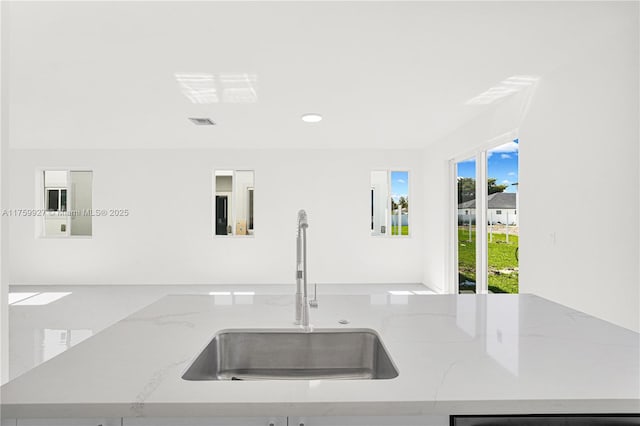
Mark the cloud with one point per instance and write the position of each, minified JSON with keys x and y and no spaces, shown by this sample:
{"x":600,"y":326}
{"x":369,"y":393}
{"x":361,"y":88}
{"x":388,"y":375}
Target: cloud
{"x":511,"y":173}
{"x":505,"y":156}
{"x":505,"y":181}
{"x":507,"y":147}
{"x":401,"y":181}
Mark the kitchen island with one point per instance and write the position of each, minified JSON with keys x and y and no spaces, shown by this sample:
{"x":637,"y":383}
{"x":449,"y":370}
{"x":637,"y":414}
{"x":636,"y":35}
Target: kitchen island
{"x":455,"y":354}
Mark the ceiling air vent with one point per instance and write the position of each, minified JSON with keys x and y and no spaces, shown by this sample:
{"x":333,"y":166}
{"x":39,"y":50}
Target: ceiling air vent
{"x":202,"y":121}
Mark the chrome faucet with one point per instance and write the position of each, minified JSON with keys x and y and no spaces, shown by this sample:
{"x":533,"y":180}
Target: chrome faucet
{"x":302,"y":291}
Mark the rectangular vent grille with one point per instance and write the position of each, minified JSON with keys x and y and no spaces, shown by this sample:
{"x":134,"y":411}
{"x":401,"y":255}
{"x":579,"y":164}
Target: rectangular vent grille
{"x":202,"y":121}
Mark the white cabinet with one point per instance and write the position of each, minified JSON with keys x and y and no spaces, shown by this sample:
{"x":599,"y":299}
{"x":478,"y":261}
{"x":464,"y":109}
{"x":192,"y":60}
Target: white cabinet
{"x":239,"y":421}
{"x":370,"y":421}
{"x":205,"y":421}
{"x":115,"y":421}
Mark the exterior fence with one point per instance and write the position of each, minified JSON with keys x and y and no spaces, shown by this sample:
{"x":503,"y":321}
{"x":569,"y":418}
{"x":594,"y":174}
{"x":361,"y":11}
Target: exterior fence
{"x":404,"y":220}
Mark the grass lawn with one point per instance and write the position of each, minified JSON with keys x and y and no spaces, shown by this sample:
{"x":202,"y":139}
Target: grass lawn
{"x":503,"y":272}
{"x":404,"y":230}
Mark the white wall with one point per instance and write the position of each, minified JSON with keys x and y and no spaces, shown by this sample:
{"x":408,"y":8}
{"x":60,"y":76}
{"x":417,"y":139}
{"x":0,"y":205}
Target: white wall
{"x":56,"y":179}
{"x":512,"y":214}
{"x":160,"y":245}
{"x":578,"y":147}
{"x":492,"y":216}
{"x":4,"y":199}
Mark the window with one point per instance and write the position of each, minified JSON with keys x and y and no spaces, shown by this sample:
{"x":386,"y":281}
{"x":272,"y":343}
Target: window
{"x":389,"y":203}
{"x":67,"y":199}
{"x":498,"y":211}
{"x":56,"y":200}
{"x":233,"y":201}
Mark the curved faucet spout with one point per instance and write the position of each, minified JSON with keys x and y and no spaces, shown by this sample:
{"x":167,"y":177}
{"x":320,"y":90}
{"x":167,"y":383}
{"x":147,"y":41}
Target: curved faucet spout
{"x":302,"y":294}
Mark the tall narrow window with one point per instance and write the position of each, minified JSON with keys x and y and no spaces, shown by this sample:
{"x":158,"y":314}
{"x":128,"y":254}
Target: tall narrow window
{"x":389,"y":203}
{"x":399,"y":203}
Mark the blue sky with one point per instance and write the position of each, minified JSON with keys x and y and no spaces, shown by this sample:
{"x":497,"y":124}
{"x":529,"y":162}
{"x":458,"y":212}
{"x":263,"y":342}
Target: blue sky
{"x":399,"y":185}
{"x":502,"y":165}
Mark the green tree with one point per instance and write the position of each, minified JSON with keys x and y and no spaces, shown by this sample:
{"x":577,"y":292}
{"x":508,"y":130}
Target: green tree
{"x":404,"y":203}
{"x":493,"y":188}
{"x":467,"y":188}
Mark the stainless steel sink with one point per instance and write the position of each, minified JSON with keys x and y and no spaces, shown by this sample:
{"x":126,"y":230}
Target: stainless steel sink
{"x":293,"y":354}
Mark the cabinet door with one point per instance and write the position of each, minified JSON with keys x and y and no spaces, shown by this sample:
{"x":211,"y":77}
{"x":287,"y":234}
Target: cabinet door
{"x":205,"y":421}
{"x":115,"y":421}
{"x":8,"y":422}
{"x":370,"y":421}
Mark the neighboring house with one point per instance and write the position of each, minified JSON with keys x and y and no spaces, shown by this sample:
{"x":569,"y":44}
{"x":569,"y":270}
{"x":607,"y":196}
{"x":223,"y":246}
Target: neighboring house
{"x":501,"y":210}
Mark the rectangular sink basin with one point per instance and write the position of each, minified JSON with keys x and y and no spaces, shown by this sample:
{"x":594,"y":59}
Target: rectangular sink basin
{"x":293,"y":354}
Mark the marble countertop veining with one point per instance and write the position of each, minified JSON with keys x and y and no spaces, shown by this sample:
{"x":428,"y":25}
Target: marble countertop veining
{"x":456,"y":354}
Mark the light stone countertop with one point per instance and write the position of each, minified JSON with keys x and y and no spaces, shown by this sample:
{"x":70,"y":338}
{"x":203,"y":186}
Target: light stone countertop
{"x":456,"y":354}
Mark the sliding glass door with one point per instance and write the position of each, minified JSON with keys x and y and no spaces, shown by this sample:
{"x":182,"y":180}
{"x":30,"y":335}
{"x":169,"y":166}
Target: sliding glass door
{"x":486,"y":231}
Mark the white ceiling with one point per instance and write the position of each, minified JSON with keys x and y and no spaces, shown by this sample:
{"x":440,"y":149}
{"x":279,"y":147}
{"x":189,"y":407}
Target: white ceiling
{"x":384,"y":74}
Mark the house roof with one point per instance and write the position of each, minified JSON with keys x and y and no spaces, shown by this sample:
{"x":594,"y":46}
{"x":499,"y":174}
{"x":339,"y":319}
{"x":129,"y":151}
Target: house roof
{"x":498,"y":200}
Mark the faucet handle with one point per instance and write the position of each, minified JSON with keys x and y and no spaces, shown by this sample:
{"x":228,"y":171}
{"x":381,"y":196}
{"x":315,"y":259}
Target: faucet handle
{"x":313,"y":303}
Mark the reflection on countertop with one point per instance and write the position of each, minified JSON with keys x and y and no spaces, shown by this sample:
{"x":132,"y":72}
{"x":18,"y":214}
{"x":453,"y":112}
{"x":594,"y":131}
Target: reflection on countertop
{"x":45,"y":321}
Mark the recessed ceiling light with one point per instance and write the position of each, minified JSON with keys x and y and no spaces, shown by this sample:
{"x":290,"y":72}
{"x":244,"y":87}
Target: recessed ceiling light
{"x":202,"y":121}
{"x":311,"y":117}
